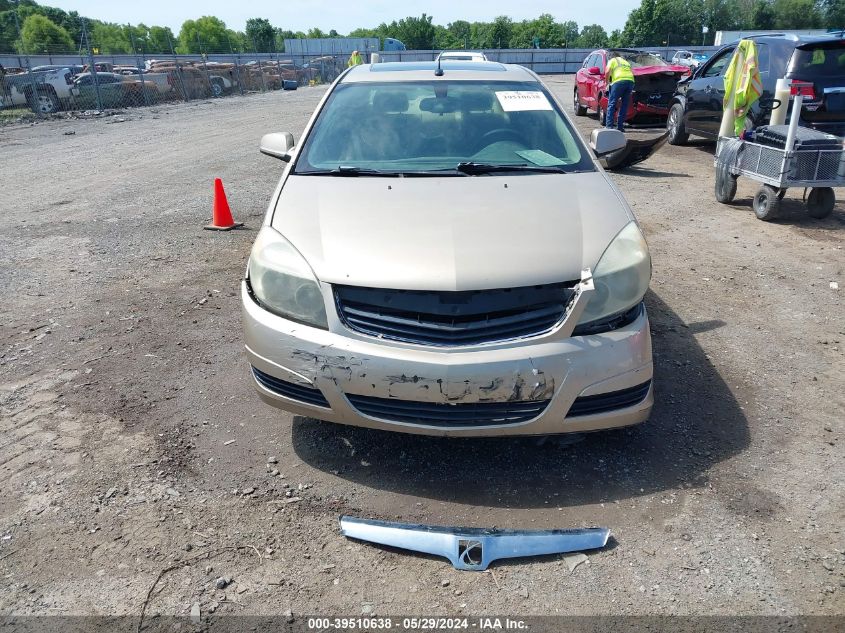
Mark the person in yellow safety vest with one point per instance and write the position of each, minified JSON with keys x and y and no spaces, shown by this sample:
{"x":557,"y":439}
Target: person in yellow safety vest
{"x":355,"y":59}
{"x":621,"y":79}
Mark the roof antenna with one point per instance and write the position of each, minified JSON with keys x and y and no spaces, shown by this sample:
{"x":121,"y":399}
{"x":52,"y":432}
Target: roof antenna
{"x":438,"y":72}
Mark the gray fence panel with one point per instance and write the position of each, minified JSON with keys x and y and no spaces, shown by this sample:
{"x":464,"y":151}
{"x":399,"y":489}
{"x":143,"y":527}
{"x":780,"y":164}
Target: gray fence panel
{"x":549,"y":60}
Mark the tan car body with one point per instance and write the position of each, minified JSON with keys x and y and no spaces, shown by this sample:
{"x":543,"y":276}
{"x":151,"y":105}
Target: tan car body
{"x":450,"y":234}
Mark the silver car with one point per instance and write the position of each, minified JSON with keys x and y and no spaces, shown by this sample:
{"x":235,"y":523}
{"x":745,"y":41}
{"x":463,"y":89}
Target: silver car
{"x":443,"y":255}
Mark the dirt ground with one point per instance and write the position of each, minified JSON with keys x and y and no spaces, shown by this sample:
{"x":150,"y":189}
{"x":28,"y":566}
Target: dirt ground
{"x":131,"y":439}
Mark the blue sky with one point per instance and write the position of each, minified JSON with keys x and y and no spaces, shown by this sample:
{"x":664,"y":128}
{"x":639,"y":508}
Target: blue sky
{"x":343,"y":15}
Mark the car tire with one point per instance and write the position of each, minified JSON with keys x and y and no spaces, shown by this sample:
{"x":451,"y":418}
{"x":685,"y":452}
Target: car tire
{"x":217,"y":88}
{"x":576,"y":105}
{"x":820,"y":202}
{"x":766,"y":203}
{"x":725,"y":188}
{"x":675,"y":125}
{"x":600,"y":112}
{"x":44,"y":102}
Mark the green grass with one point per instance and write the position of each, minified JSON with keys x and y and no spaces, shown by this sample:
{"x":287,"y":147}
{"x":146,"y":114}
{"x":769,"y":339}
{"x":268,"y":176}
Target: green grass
{"x":11,"y":115}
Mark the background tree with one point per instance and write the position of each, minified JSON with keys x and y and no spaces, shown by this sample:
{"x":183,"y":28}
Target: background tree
{"x":415,"y":33}
{"x":499,"y":34}
{"x":8,"y":31}
{"x":205,"y":34}
{"x":159,"y":39}
{"x":834,"y":13}
{"x":40,"y":35}
{"x":260,"y":31}
{"x":797,"y":14}
{"x":762,"y":16}
{"x":110,"y":38}
{"x":570,"y":34}
{"x":460,"y":31}
{"x":550,"y":33}
{"x":478,"y":34}
{"x":593,"y":36}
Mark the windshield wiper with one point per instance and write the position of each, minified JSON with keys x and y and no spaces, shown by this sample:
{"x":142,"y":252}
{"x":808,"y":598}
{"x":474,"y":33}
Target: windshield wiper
{"x":348,"y":170}
{"x":473,"y":169}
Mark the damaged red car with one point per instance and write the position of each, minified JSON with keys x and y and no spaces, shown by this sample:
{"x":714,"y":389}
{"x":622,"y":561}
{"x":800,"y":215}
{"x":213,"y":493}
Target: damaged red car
{"x":654,"y":85}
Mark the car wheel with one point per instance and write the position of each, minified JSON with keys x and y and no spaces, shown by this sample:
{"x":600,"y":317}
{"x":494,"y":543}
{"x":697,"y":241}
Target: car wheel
{"x":675,"y":125}
{"x":44,"y":102}
{"x":820,"y":202}
{"x":725,"y":188}
{"x":217,"y":88}
{"x":766,"y":203}
{"x":600,"y":111}
{"x":576,"y":105}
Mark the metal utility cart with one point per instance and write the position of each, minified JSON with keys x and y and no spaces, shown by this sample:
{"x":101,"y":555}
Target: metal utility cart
{"x":819,"y":169}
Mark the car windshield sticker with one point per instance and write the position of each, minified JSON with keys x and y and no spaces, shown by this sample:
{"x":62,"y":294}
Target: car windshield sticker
{"x":521,"y":100}
{"x":541,"y":158}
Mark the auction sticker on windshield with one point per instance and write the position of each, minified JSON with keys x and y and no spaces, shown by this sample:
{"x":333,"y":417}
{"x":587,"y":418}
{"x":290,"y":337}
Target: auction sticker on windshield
{"x":521,"y":100}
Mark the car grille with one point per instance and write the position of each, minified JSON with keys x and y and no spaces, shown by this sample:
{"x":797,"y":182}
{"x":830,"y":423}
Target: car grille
{"x":300,"y":393}
{"x":453,"y":318}
{"x":604,"y":402}
{"x":448,"y":415}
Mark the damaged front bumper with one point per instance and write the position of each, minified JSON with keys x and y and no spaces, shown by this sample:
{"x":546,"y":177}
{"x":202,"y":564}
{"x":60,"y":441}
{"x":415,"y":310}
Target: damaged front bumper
{"x":546,"y":384}
{"x":473,"y":549}
{"x":635,"y":151}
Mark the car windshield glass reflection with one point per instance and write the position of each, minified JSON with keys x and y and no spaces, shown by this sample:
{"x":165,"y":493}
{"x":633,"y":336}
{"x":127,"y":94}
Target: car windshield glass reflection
{"x":419,"y":128}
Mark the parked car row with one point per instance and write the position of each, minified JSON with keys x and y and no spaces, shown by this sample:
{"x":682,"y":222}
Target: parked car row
{"x":688,"y":94}
{"x":48,"y":89}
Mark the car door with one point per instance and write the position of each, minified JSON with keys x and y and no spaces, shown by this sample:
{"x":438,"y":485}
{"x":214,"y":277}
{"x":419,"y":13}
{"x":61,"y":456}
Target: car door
{"x":587,"y":81}
{"x":597,"y":81}
{"x":581,"y":80}
{"x":705,"y":93}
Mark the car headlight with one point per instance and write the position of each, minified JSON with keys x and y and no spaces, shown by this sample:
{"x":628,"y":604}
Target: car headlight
{"x":282,"y":281}
{"x":621,"y":276}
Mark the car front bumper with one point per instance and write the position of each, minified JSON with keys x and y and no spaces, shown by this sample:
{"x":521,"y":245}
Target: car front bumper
{"x":555,"y":368}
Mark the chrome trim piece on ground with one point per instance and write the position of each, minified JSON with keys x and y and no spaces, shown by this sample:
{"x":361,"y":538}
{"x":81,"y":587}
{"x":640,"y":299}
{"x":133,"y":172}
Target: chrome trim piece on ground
{"x":473,"y":549}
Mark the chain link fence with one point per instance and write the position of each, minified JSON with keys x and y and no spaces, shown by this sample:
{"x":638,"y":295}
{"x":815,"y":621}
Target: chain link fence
{"x":54,"y":82}
{"x":51,"y":81}
{"x":80,"y":83}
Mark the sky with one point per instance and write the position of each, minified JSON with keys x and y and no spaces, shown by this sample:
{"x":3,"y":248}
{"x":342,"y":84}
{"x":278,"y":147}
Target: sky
{"x":344,"y":16}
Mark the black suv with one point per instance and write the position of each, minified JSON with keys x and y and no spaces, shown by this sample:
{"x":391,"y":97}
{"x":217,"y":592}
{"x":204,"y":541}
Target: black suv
{"x":696,"y":107}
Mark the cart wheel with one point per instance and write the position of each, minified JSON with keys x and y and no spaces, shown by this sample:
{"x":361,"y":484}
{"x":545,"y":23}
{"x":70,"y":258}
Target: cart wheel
{"x":766,"y":203}
{"x":820,"y":202}
{"x":725,"y":188}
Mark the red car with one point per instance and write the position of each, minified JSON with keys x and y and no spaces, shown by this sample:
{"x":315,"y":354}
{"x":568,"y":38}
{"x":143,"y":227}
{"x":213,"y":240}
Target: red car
{"x":654,"y":85}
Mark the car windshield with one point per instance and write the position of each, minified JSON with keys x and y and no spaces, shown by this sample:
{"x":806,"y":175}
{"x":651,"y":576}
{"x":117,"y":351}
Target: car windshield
{"x":436,"y":127}
{"x":638,"y":60}
{"x":820,"y":60}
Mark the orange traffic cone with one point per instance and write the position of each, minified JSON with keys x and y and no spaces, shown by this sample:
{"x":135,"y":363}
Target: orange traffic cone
{"x":221,"y":219}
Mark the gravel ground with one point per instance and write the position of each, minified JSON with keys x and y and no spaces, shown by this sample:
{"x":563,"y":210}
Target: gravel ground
{"x":131,"y":439}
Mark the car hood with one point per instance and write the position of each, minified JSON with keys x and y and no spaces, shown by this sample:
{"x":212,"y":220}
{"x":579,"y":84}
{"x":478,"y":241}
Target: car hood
{"x":450,"y":233}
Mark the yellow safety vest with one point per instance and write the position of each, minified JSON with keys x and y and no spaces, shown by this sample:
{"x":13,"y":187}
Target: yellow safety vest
{"x":619,"y":70}
{"x":743,"y":80}
{"x":355,"y":60}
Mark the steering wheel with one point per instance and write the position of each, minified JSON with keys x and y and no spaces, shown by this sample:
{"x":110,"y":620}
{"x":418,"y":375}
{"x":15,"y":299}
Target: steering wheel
{"x":499,"y":134}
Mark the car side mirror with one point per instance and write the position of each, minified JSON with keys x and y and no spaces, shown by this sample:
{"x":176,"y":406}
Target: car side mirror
{"x":278,"y":145}
{"x":607,"y":141}
{"x":594,"y":70}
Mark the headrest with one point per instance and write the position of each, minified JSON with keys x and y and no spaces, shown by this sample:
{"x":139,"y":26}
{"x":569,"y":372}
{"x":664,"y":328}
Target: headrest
{"x":475,"y":101}
{"x":390,"y":102}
